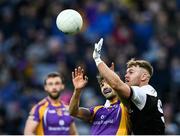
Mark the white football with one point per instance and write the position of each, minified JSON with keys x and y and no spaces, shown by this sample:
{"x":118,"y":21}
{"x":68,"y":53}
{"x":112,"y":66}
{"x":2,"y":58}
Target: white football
{"x":69,"y":21}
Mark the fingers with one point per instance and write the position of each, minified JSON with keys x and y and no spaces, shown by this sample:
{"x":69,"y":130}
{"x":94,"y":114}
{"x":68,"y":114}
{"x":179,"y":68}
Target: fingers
{"x":100,"y":42}
{"x":72,"y":75}
{"x":80,"y":71}
{"x":98,"y":45}
{"x":86,"y":78}
{"x":112,"y":66}
{"x":77,"y":72}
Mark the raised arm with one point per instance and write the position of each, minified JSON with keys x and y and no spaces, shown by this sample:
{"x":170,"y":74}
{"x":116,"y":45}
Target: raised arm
{"x":79,"y":81}
{"x":122,"y":89}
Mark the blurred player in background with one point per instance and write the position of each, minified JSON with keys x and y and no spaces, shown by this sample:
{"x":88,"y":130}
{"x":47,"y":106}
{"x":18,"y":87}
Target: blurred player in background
{"x":109,"y":119}
{"x":50,"y":116}
{"x":146,"y":108}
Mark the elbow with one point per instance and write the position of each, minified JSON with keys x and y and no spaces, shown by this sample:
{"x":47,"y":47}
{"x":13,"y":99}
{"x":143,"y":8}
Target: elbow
{"x":72,"y":112}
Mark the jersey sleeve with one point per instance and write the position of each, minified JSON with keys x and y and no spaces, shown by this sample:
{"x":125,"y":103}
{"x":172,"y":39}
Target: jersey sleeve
{"x":138,"y":97}
{"x":91,"y":109}
{"x":35,"y":113}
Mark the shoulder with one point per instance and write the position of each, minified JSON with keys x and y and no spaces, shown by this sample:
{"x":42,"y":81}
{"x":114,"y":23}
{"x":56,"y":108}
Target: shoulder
{"x":42,"y":102}
{"x":95,"y":108}
{"x":147,"y":89}
{"x":37,"y":106}
{"x":139,"y":95}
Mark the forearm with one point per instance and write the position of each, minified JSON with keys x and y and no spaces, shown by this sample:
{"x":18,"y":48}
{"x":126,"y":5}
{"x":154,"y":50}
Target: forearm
{"x":113,"y":80}
{"x":110,"y":76}
{"x":29,"y":133}
{"x":30,"y":127}
{"x":74,"y":103}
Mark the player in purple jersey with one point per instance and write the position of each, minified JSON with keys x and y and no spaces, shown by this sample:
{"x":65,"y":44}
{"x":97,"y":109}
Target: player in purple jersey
{"x":109,"y":119}
{"x":146,"y":108}
{"x":50,"y":116}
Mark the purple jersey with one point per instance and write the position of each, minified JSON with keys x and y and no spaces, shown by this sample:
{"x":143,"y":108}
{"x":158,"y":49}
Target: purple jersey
{"x":113,"y":120}
{"x":53,"y":119}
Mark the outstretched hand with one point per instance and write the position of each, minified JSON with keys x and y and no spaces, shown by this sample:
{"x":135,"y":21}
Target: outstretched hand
{"x":78,"y":78}
{"x":97,"y":51}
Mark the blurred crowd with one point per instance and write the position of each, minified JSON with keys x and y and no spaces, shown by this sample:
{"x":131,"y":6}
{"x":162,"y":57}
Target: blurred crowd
{"x":31,"y":46}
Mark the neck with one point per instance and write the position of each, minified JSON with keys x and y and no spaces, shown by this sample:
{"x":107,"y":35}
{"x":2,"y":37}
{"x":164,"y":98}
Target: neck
{"x":143,"y":84}
{"x":113,"y":100}
{"x":54,"y":101}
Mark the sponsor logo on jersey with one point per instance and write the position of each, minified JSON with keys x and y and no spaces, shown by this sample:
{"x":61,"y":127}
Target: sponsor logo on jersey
{"x":61,"y":122}
{"x":102,"y":116}
{"x":109,"y":121}
{"x":51,"y":111}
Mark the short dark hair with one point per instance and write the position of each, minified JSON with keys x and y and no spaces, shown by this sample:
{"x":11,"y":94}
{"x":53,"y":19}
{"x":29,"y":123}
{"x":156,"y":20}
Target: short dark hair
{"x":141,"y":63}
{"x":53,"y":74}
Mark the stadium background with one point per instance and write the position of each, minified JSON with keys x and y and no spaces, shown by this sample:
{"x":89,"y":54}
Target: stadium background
{"x":31,"y":46}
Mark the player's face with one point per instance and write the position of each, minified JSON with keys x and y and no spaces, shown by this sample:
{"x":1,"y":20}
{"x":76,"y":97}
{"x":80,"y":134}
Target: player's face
{"x":54,"y":87}
{"x":133,"y":76}
{"x":107,"y":91}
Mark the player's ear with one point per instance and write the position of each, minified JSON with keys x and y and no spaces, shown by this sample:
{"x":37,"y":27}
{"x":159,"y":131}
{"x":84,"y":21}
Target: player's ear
{"x":144,"y":76}
{"x":62,"y":87}
{"x":45,"y":88}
